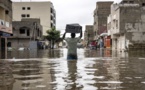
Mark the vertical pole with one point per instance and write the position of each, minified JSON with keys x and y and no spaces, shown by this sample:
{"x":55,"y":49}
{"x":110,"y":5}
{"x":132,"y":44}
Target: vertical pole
{"x":0,"y":48}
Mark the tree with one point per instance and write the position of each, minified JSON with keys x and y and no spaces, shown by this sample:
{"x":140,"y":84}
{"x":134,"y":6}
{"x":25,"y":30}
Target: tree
{"x":53,"y":36}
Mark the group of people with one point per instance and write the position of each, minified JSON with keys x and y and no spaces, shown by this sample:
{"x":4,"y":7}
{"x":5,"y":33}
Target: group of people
{"x":97,"y":44}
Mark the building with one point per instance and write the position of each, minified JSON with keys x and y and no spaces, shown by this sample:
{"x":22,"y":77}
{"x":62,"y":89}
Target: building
{"x":25,"y":32}
{"x":141,"y":2}
{"x":5,"y":24}
{"x":88,"y":34}
{"x":43,"y":10}
{"x":126,"y":25}
{"x":101,"y":13}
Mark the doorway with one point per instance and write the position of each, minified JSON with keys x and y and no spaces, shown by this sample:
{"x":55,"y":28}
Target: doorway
{"x":3,"y":45}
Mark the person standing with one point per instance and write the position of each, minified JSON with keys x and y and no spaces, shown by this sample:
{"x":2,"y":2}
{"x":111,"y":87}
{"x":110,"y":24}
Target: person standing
{"x":72,"y":45}
{"x":101,"y":43}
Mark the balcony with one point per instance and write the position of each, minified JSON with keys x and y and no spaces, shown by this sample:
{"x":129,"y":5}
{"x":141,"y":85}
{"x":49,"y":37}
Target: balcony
{"x":5,"y":27}
{"x":115,"y":31}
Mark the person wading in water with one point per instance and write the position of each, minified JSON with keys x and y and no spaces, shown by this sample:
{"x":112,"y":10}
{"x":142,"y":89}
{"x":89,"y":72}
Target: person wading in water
{"x":72,"y":45}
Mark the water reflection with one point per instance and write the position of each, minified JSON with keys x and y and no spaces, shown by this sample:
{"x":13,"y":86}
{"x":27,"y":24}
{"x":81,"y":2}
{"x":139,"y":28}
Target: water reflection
{"x":58,"y":53}
{"x":98,"y":53}
{"x":6,"y":77}
{"x":27,"y":73}
{"x":94,"y":70}
{"x":3,"y":54}
{"x":35,"y":54}
{"x":137,"y":53}
{"x":72,"y":73}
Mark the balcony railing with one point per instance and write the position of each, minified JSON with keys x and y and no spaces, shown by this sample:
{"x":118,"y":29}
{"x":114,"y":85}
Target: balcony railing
{"x":115,"y":31}
{"x":5,"y":26}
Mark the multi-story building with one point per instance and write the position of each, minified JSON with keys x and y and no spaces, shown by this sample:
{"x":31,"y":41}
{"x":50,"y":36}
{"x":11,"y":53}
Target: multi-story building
{"x":43,"y":10}
{"x":5,"y":23}
{"x":126,"y":24}
{"x":141,"y":2}
{"x":100,"y":17}
{"x":88,"y":34}
{"x":24,"y":32}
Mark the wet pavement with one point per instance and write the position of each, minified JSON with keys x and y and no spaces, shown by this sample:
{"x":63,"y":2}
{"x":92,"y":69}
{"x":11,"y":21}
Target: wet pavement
{"x":94,"y":70}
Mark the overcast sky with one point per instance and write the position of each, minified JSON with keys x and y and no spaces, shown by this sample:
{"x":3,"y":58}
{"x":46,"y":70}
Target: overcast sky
{"x":73,"y":11}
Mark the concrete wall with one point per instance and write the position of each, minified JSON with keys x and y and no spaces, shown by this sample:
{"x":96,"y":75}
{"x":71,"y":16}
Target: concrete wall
{"x":131,"y":18}
{"x":135,"y":28}
{"x":89,"y":30}
{"x":89,"y":34}
{"x":101,"y":13}
{"x":17,"y":43}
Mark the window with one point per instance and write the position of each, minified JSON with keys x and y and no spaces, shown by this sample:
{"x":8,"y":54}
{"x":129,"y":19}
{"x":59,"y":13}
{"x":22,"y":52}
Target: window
{"x":117,"y":24}
{"x":7,"y":12}
{"x":22,"y":31}
{"x":51,"y":25}
{"x":51,"y":10}
{"x":28,"y":32}
{"x":94,"y":23}
{"x":131,"y":1}
{"x":54,"y":21}
{"x":28,"y":8}
{"x":51,"y":17}
{"x":23,"y":8}
{"x":54,"y":14}
{"x":2,"y":23}
{"x":37,"y":31}
{"x":124,"y":1}
{"x":95,"y":33}
{"x":9,"y":44}
{"x":23,"y":15}
{"x":28,"y":15}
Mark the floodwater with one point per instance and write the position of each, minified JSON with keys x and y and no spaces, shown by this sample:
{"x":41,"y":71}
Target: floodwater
{"x":94,"y":70}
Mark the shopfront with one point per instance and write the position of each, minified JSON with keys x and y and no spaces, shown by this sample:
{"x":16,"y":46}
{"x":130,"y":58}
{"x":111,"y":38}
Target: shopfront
{"x":5,"y":32}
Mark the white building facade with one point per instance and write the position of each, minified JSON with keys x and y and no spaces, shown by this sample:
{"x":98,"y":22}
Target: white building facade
{"x":43,"y":10}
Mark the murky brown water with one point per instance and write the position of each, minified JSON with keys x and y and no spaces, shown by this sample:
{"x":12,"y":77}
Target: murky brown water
{"x":94,"y":70}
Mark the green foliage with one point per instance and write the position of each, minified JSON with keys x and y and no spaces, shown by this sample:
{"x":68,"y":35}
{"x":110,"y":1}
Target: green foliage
{"x":53,"y":34}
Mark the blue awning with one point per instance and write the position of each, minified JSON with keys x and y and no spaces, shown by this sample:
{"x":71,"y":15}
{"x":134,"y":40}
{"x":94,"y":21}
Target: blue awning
{"x":4,"y":34}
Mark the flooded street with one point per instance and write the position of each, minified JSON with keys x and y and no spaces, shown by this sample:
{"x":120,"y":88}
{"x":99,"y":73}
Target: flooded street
{"x":94,"y":70}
